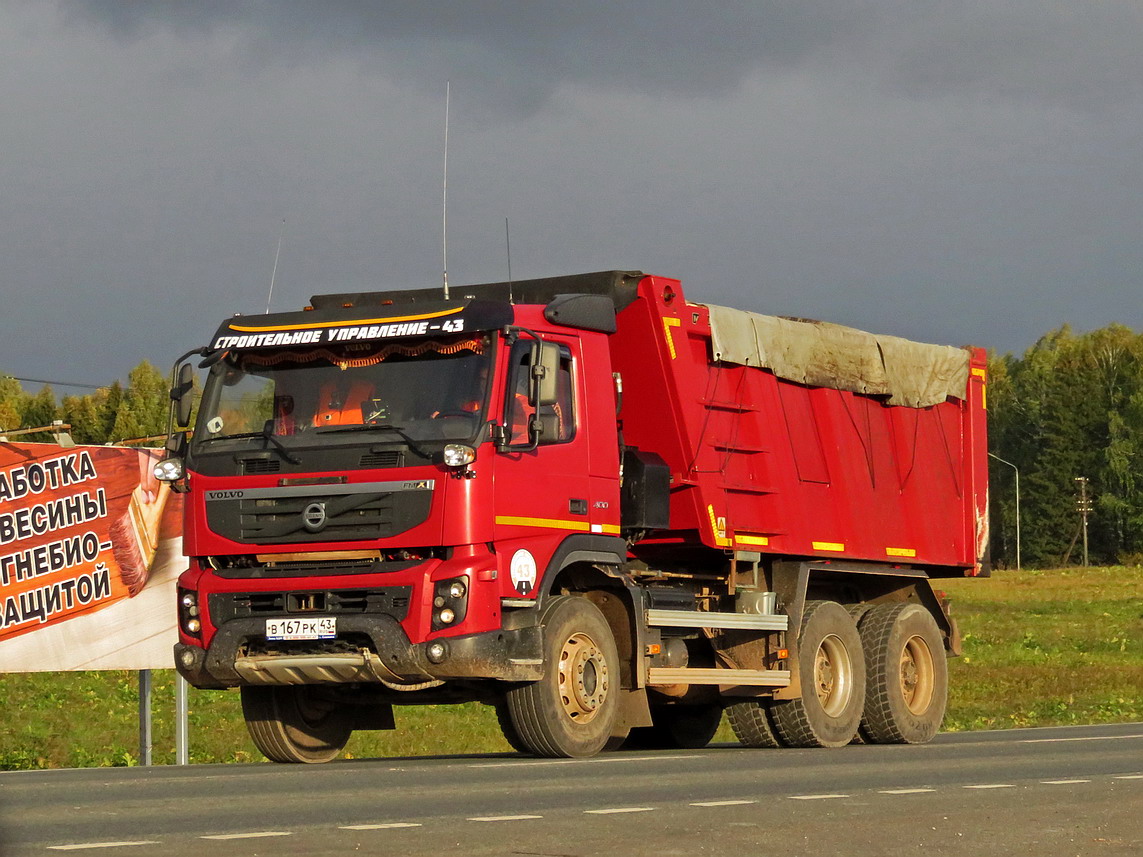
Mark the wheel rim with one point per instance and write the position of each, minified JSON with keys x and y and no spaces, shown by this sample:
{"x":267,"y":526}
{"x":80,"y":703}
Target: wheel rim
{"x":917,"y":675}
{"x":584,"y":678}
{"x":833,"y":675}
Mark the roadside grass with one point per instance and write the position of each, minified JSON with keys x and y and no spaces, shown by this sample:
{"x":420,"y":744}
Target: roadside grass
{"x":1047,"y":648}
{"x":1042,"y":648}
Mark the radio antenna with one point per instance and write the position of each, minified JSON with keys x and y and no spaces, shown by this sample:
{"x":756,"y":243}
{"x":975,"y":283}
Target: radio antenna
{"x":274,"y":274}
{"x":508,"y":250}
{"x":444,"y":198}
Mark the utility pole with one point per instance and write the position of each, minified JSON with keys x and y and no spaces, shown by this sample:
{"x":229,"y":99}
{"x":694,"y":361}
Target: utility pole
{"x":1083,"y":506}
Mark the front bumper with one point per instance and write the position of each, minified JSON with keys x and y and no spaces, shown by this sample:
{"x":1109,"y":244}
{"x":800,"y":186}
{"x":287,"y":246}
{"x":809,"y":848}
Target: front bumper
{"x":368,"y":649}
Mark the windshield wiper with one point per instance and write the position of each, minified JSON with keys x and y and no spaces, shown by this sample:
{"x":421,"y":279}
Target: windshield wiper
{"x":397,"y":430}
{"x":267,"y":435}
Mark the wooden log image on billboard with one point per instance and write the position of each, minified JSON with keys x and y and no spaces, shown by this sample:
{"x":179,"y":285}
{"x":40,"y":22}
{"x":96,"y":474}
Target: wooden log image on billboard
{"x":90,"y":546}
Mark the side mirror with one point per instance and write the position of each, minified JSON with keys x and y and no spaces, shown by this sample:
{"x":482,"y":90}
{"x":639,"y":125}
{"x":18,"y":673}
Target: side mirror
{"x":545,"y":374}
{"x":181,"y":395}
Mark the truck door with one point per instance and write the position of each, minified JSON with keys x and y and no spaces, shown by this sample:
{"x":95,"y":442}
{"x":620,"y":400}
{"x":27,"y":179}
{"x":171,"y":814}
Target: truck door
{"x":542,"y":485}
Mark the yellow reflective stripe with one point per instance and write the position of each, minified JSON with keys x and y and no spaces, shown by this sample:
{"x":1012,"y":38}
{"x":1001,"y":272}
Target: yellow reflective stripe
{"x":719,"y":532}
{"x":668,"y":323}
{"x":611,"y":529}
{"x":982,"y":375}
{"x":357,"y":321}
{"x":547,"y":523}
{"x":900,"y":552}
{"x":751,"y":540}
{"x":829,"y":546}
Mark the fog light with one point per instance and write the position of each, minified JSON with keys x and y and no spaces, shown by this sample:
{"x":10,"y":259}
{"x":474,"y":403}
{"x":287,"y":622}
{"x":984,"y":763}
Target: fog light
{"x":187,"y":658}
{"x":458,"y":454}
{"x":457,"y":589}
{"x":446,"y":616}
{"x":169,"y":470}
{"x":437,"y":652}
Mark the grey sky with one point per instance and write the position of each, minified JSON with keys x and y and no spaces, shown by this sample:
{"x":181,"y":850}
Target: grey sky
{"x":951,"y":172}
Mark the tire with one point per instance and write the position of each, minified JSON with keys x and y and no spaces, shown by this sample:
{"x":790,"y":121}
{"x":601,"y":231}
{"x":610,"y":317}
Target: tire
{"x":508,"y":728}
{"x":831,"y":669}
{"x":906,"y":674}
{"x":570,"y":712}
{"x":753,"y":723}
{"x":295,"y":724}
{"x":677,"y":727}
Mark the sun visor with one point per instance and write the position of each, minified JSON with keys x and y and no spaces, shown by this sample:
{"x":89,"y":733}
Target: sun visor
{"x":344,"y":325}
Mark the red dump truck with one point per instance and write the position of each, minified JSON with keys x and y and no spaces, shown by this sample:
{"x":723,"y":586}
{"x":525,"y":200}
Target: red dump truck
{"x":609,"y":512}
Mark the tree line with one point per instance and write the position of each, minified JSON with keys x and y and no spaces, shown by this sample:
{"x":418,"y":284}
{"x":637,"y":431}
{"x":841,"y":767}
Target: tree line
{"x":1069,"y":407}
{"x":113,"y":414}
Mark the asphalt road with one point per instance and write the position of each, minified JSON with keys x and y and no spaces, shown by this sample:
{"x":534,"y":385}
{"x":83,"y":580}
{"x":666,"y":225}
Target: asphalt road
{"x":1045,"y":792}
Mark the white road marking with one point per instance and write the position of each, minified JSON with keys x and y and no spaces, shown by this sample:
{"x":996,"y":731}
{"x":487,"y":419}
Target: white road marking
{"x":593,"y":761}
{"x":1088,"y":738}
{"x":259,"y":835}
{"x":619,"y":809}
{"x":906,"y":791}
{"x":78,"y":846}
{"x":816,"y":797}
{"x":1130,"y":777}
{"x":723,"y":802}
{"x":992,"y":786}
{"x":1063,"y":782}
{"x":505,"y":817}
{"x":390,"y":825}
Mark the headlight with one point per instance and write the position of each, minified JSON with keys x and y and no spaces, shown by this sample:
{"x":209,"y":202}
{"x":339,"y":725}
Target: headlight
{"x":458,"y":454}
{"x":450,"y":602}
{"x":170,"y":470}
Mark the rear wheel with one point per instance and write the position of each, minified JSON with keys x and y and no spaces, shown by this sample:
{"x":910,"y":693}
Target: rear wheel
{"x":295,"y":723}
{"x":907,"y":674}
{"x":831,"y":670}
{"x":753,"y":723}
{"x":685,"y":727}
{"x":570,"y":712}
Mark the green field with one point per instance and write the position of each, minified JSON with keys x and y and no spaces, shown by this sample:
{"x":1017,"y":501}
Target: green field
{"x":1042,"y":648}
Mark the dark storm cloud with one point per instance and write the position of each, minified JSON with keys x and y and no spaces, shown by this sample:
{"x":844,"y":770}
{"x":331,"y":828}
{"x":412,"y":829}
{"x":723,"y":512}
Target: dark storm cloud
{"x":1083,"y":54}
{"x":951,"y":172}
{"x":529,"y":48}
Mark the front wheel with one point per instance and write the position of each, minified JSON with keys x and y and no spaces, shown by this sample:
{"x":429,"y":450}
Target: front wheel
{"x":295,"y":723}
{"x":571,"y":710}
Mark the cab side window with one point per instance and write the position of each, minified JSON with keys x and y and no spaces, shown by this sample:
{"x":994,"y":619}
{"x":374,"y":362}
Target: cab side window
{"x":518,"y":409}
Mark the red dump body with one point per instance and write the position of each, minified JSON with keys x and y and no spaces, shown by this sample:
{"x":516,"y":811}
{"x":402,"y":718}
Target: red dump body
{"x":764,"y":464}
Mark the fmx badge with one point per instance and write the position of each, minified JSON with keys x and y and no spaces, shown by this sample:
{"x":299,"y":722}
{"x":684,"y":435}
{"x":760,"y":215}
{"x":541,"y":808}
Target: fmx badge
{"x":523,"y":571}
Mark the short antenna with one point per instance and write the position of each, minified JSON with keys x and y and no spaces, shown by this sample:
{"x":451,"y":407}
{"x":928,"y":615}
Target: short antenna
{"x":274,"y":274}
{"x":444,"y":198}
{"x":508,"y":249}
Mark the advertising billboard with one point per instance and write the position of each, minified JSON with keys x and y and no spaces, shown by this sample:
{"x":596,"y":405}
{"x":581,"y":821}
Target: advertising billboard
{"x":90,"y":548}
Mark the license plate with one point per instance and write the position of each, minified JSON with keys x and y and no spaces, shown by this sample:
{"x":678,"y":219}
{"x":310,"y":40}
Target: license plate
{"x":314,"y":628}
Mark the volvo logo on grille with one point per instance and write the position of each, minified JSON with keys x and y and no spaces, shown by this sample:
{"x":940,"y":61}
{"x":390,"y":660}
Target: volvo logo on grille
{"x":313,"y":517}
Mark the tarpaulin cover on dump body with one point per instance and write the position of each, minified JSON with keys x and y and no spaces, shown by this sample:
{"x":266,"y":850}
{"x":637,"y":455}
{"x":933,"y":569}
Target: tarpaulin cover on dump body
{"x":820,"y":354}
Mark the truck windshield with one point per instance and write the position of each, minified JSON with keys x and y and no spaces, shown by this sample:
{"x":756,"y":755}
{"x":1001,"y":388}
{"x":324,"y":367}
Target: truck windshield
{"x":428,"y":390}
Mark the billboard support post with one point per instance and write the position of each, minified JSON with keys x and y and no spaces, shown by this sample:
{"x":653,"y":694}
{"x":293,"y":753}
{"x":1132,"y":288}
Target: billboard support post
{"x":182,"y":748}
{"x":145,"y":717}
